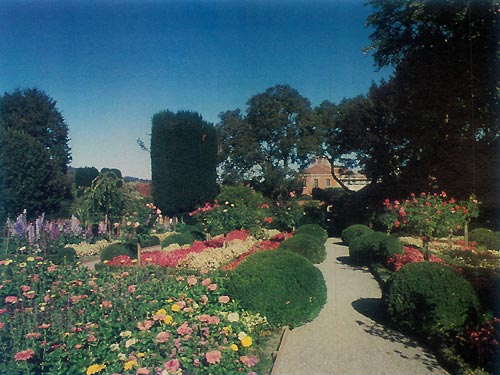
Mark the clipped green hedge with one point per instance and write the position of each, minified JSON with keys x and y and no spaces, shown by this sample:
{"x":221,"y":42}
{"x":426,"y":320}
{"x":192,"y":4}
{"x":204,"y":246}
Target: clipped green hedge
{"x":307,"y":246}
{"x":353,"y":231}
{"x":186,"y":238}
{"x":314,"y":231}
{"x":147,"y":240}
{"x":374,"y":247}
{"x":281,"y":285}
{"x":63,"y":255}
{"x":116,"y":249}
{"x":485,"y":237}
{"x":427,"y":297}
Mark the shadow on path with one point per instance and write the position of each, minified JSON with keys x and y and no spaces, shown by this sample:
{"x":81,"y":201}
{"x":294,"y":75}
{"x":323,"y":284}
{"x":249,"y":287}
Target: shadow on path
{"x":346,"y":261}
{"x":381,"y":326}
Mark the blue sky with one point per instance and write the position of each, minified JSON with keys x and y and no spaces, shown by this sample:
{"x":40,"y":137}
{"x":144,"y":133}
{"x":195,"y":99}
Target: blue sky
{"x":111,"y":65}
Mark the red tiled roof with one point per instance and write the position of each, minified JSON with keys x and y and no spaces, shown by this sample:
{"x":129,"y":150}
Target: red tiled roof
{"x":318,"y":169}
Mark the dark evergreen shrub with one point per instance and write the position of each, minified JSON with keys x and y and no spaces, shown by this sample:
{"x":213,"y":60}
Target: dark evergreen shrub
{"x":62,"y":255}
{"x":314,"y":231}
{"x":116,"y":249}
{"x":485,"y":237}
{"x":186,"y":238}
{"x":196,"y":230}
{"x":307,"y":246}
{"x":147,"y":240}
{"x":374,"y":247}
{"x":353,"y":231}
{"x":283,"y":286}
{"x":428,"y":297}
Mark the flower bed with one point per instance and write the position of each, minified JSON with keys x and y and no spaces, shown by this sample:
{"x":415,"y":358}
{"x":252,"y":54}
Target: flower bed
{"x":139,"y":321}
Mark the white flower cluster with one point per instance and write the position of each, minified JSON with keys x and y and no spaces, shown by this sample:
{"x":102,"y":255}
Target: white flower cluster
{"x":86,"y":249}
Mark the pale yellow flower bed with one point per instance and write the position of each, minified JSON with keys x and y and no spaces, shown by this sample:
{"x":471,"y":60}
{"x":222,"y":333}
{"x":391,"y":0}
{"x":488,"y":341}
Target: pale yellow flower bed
{"x":85,"y":249}
{"x":438,"y":245}
{"x":211,"y":259}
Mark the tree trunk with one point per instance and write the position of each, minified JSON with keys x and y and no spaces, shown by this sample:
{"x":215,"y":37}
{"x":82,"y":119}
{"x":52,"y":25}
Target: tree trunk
{"x":337,"y":179}
{"x":425,"y":241}
{"x":466,"y":234}
{"x":139,"y":259}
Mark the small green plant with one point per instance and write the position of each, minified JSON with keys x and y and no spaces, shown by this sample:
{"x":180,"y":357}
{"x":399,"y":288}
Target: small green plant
{"x":62,"y":255}
{"x":374,"y":247}
{"x":353,"y":231}
{"x":283,"y":286}
{"x":147,"y":240}
{"x":314,"y":231}
{"x":307,"y":246}
{"x":121,"y":248}
{"x":485,"y":237}
{"x":428,"y":297}
{"x":186,"y":238}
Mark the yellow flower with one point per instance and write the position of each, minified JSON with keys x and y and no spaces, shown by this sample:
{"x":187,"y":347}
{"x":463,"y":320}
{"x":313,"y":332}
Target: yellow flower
{"x":246,"y":341}
{"x":23,"y":264}
{"x":94,"y":369}
{"x":8,"y":261}
{"x":161,"y":312}
{"x":30,"y":259}
{"x":168,"y":319}
{"x":141,"y":354}
{"x":170,"y":300}
{"x":233,"y":347}
{"x":130,"y":364}
{"x":175,"y":307}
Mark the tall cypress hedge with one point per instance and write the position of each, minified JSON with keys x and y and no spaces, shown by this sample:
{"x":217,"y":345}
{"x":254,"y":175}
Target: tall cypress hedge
{"x":183,"y":161}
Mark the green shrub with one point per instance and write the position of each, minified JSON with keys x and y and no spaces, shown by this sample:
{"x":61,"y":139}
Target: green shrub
{"x":146,"y":240}
{"x":374,"y":247}
{"x":313,"y":213}
{"x":485,"y":237}
{"x":186,"y":238}
{"x":314,"y":231}
{"x":240,"y":194}
{"x":428,"y":297}
{"x":116,"y":249}
{"x":283,"y":286}
{"x":353,"y":231}
{"x":307,"y":246}
{"x":63,"y":255}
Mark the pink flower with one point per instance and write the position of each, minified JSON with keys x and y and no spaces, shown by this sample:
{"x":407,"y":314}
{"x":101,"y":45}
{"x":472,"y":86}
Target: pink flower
{"x":25,"y":288}
{"x":268,"y":220}
{"x":224,"y":299}
{"x":146,"y":325}
{"x":2,"y":325}
{"x":33,"y":335}
{"x":192,"y":280}
{"x":107,"y":304}
{"x":204,"y":299}
{"x":213,"y":320}
{"x":204,"y":318}
{"x":184,"y":329}
{"x":131,"y":288}
{"x":172,"y":366}
{"x":212,"y":287}
{"x":213,"y":357}
{"x":206,"y":281}
{"x":11,"y":299}
{"x":24,"y":355}
{"x":162,"y":337}
{"x":143,"y":371}
{"x":249,"y":361}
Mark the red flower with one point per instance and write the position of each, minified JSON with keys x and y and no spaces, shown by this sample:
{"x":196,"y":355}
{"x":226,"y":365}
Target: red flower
{"x":268,"y":220}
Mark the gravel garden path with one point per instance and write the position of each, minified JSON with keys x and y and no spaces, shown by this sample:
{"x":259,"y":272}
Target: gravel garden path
{"x":349,"y":336}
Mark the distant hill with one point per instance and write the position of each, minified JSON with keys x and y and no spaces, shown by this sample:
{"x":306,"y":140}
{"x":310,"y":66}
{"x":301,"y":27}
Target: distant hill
{"x":134,"y":179}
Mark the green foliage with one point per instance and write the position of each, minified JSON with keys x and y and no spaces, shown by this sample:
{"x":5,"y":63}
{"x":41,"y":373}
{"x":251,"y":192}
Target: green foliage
{"x":186,"y":238}
{"x":240,"y":194}
{"x":353,"y":231}
{"x":374,"y":247}
{"x":34,"y":153}
{"x":314,"y":231}
{"x":83,"y":176}
{"x":485,"y":237}
{"x":106,"y":198}
{"x":116,"y":249}
{"x":283,"y":286}
{"x":62,"y":255}
{"x":287,"y":215}
{"x":428,"y":297}
{"x":260,"y":148}
{"x":307,"y":245}
{"x":115,"y":171}
{"x":314,"y":213}
{"x":147,"y":240}
{"x":183,"y":161}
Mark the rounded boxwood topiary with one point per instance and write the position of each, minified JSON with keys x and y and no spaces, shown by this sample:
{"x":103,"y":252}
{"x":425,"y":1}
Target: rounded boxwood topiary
{"x":314,"y":231}
{"x":485,"y":237}
{"x":353,"y":231}
{"x":374,"y":247}
{"x":186,"y":238}
{"x":281,"y":285}
{"x":63,"y":255}
{"x":121,"y":248}
{"x":147,"y":240}
{"x":307,"y":246}
{"x":428,"y":297}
